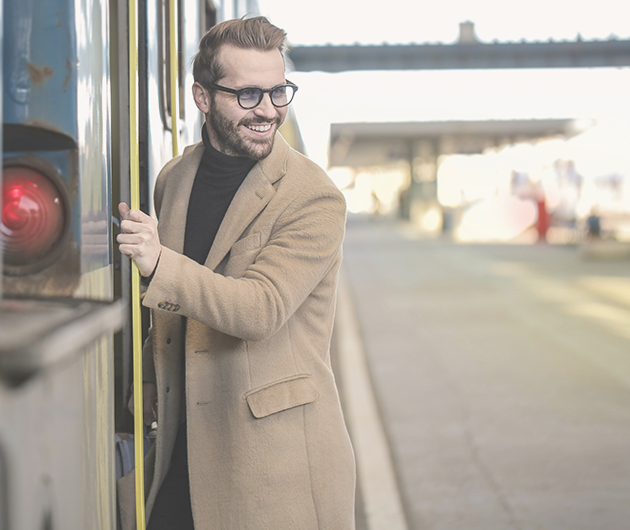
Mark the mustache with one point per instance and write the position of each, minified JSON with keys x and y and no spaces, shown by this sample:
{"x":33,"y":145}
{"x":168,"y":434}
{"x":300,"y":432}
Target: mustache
{"x":260,"y":121}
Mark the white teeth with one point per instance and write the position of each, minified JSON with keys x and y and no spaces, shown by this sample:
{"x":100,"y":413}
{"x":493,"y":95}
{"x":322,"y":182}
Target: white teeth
{"x":259,"y":128}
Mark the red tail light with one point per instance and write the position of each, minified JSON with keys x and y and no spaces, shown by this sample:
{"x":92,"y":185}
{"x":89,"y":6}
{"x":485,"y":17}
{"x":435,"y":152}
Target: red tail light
{"x":33,"y":216}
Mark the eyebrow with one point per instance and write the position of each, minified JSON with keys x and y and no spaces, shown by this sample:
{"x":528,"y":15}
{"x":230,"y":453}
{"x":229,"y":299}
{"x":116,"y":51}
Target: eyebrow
{"x":285,"y":82}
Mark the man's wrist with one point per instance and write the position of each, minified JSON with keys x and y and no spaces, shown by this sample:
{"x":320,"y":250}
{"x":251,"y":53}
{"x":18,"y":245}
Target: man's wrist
{"x":145,"y":280}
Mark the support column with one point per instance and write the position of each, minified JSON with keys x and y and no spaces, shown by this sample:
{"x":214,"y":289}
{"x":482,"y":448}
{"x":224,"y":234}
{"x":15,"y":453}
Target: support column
{"x":424,"y":209}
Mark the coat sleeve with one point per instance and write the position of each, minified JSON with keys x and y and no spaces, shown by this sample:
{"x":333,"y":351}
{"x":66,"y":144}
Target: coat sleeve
{"x":303,"y":246}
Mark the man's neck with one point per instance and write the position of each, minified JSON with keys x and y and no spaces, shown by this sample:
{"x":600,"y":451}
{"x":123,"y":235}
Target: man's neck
{"x":220,"y":165}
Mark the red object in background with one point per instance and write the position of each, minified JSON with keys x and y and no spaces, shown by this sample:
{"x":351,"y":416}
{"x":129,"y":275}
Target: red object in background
{"x":33,"y":215}
{"x":542,"y":224}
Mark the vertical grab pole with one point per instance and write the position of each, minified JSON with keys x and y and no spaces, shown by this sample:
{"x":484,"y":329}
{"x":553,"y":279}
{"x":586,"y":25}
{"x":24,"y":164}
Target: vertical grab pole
{"x":172,"y":25}
{"x":134,"y":170}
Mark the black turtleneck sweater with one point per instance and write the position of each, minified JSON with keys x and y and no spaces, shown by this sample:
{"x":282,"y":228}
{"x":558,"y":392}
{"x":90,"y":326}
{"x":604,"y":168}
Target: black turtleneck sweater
{"x":216,"y":182}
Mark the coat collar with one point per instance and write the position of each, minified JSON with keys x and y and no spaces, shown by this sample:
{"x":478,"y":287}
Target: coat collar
{"x":174,"y":199}
{"x":251,"y":198}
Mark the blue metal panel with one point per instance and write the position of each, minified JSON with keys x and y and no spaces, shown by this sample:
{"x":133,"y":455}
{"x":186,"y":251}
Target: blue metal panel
{"x":39,"y":65}
{"x":40,"y":123}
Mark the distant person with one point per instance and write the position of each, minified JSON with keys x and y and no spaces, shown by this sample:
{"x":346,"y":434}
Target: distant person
{"x":543,"y":221}
{"x":242,"y":274}
{"x":593,"y":225}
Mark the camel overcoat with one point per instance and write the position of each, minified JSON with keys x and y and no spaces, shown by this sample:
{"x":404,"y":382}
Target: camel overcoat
{"x":267,"y":444}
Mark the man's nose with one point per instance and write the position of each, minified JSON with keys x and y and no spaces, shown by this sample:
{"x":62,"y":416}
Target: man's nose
{"x":266,"y":109}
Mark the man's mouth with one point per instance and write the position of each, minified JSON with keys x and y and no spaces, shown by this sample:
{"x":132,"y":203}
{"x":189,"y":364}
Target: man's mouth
{"x":259,"y":128}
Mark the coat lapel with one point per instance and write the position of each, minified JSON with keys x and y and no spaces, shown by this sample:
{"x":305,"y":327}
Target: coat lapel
{"x":251,"y":198}
{"x":174,"y":203}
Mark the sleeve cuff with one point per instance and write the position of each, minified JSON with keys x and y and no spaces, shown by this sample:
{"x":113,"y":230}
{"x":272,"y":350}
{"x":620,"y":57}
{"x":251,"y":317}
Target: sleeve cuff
{"x":146,"y":280}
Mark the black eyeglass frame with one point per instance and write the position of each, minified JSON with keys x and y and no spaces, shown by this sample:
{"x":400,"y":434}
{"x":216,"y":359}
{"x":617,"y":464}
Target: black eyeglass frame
{"x":262,"y":92}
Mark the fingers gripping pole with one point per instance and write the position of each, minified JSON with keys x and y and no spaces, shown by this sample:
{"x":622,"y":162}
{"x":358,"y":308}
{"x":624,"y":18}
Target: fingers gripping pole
{"x":135,"y":274}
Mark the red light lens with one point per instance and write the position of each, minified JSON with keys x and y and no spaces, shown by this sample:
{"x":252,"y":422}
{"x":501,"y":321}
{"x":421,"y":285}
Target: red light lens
{"x":32,"y":215}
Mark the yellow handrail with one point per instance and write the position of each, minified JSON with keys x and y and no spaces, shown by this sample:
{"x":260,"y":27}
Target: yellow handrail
{"x":134,"y":176}
{"x":174,"y":88}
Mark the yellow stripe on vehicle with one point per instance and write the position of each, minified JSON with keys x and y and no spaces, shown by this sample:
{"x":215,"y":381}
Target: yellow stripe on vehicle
{"x":134,"y":175}
{"x":174,"y":92}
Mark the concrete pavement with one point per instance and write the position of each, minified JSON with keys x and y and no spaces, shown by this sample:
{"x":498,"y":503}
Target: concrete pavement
{"x":502,"y":378}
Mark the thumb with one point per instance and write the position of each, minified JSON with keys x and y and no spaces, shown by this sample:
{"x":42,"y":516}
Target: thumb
{"x":123,"y":209}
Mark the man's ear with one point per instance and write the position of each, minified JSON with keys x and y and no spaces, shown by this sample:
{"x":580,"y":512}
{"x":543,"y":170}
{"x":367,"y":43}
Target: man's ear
{"x":202,"y":98}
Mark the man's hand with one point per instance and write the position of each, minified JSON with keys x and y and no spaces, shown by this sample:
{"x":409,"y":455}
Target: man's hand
{"x":149,"y":403}
{"x":139,"y":239}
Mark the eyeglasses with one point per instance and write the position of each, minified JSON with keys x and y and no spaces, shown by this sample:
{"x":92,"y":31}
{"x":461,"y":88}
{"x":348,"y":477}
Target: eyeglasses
{"x":251,"y":96}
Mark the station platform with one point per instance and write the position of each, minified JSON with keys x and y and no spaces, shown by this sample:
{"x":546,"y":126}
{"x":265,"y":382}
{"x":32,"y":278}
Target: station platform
{"x":486,"y":387}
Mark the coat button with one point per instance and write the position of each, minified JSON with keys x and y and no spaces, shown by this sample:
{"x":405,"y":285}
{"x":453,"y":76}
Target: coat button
{"x":168,"y":341}
{"x":168,"y":389}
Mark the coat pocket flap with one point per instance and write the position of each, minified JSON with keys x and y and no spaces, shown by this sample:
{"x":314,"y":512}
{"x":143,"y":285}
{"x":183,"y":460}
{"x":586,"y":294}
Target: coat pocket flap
{"x":282,"y":395}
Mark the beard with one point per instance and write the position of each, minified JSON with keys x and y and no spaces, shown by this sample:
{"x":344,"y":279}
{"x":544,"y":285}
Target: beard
{"x":230,"y":140}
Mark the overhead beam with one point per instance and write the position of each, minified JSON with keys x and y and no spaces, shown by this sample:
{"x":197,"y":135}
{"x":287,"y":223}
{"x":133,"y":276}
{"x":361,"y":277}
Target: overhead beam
{"x":364,"y":144}
{"x":533,"y":128}
{"x":578,"y":54}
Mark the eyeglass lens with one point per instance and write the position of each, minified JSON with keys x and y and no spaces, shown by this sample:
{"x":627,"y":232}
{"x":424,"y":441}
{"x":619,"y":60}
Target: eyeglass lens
{"x":281,"y":96}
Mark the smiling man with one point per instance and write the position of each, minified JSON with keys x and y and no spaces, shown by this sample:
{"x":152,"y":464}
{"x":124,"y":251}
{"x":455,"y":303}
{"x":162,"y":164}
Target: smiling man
{"x":241,"y":276}
{"x":243,"y":122}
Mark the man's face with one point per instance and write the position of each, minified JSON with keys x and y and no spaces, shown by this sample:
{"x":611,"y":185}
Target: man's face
{"x":236,"y":131}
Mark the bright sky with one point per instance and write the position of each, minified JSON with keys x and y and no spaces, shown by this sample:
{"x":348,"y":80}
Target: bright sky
{"x":450,"y":95}
{"x":402,"y":21}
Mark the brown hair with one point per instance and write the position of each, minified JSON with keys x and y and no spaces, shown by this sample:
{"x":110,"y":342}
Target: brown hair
{"x":249,"y":33}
